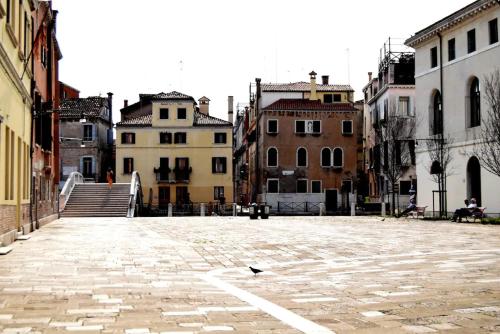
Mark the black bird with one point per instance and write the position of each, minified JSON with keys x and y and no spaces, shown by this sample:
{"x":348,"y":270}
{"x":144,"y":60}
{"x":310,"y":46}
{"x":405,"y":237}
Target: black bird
{"x":255,"y":270}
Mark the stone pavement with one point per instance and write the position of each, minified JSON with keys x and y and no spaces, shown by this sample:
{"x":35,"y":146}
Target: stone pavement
{"x":190,"y":275}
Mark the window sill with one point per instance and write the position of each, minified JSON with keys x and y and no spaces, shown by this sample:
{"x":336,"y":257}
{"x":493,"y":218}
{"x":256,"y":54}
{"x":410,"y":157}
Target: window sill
{"x":272,"y":133}
{"x":347,"y":134}
{"x":12,"y":35}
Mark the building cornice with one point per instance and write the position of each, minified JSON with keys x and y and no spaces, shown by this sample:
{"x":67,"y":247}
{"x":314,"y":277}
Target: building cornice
{"x":450,"y":21}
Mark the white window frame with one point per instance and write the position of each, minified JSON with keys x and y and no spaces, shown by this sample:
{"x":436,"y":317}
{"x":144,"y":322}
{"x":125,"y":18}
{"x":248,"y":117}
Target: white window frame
{"x":321,"y":157}
{"x":406,"y":112}
{"x":277,"y":126}
{"x":297,"y":157}
{"x":307,"y":185}
{"x":333,"y":156}
{"x":352,"y":125}
{"x":267,"y":185}
{"x":277,"y":157}
{"x":320,"y":186}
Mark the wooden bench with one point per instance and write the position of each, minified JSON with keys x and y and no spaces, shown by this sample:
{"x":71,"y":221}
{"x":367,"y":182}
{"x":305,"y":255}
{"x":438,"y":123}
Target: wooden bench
{"x":478,"y":213}
{"x":418,"y":212}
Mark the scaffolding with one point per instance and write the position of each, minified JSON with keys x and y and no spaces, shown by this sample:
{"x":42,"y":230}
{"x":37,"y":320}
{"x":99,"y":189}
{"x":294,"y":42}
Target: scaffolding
{"x":396,"y":63}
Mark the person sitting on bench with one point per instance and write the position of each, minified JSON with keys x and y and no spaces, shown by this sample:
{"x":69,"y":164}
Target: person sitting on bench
{"x":412,"y":206}
{"x":465,"y":212}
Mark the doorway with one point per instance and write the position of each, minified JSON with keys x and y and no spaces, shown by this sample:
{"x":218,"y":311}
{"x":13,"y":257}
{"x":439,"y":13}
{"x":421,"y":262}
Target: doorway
{"x":474,"y":180}
{"x":331,"y":200}
{"x":163,"y":197}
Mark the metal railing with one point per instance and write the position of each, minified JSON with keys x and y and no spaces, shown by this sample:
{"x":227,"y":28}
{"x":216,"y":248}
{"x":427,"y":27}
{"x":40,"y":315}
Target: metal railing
{"x":135,"y":202}
{"x":74,"y":178}
{"x":297,"y":207}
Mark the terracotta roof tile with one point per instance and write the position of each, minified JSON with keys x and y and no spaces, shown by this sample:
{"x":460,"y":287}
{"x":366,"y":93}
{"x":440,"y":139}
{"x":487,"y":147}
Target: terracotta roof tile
{"x":302,"y":104}
{"x":141,"y":121}
{"x":201,"y":119}
{"x":89,"y":107}
{"x":303,"y":87}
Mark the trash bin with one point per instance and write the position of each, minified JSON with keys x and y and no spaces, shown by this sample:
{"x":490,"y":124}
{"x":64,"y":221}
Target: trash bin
{"x":264,"y":211}
{"x":254,"y":211}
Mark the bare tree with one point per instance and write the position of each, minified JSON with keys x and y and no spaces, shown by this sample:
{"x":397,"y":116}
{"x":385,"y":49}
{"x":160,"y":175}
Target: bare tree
{"x":488,"y":149}
{"x":440,"y":151}
{"x":396,"y":135}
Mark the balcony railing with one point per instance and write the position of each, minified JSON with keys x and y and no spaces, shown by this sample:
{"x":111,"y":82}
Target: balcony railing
{"x":162,"y":174}
{"x":182,"y":175}
{"x":165,"y":175}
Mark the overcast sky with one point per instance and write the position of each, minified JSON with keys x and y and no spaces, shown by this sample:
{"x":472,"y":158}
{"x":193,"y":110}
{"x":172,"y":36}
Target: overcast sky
{"x":216,"y":48}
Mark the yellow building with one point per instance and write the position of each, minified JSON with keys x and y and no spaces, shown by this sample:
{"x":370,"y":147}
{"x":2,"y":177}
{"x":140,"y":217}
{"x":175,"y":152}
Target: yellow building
{"x":15,"y":115}
{"x":182,"y":153}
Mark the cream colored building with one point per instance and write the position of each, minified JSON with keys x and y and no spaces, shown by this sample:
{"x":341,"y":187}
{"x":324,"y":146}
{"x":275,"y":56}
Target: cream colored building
{"x":15,"y":115}
{"x":452,"y":58}
{"x":182,"y":153}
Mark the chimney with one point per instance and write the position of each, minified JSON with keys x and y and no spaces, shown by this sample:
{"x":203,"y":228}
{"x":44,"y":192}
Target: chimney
{"x":230,"y":109}
{"x":110,"y":106}
{"x":204,"y":103}
{"x":125,"y":103}
{"x":370,"y":76}
{"x":313,"y":96}
{"x":324,"y":79}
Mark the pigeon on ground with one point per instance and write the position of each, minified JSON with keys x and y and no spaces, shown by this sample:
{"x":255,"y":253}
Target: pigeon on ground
{"x":255,"y":270}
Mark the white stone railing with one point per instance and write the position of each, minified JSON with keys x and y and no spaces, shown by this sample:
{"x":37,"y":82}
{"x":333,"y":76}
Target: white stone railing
{"x":69,"y":185}
{"x":135,"y":194}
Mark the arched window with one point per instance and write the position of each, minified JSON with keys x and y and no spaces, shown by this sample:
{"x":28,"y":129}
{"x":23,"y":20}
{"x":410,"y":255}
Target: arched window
{"x":326,"y":157}
{"x":301,"y":157}
{"x":338,"y":157}
{"x":272,"y":157}
{"x":475,"y":103}
{"x":437,"y":114}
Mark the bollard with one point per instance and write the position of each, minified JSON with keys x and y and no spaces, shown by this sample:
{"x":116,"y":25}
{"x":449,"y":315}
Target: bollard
{"x":254,"y":211}
{"x":383,"y":209}
{"x":264,"y":211}
{"x":235,"y":213}
{"x":170,"y":209}
{"x":321,"y":209}
{"x":202,"y":209}
{"x":353,"y":209}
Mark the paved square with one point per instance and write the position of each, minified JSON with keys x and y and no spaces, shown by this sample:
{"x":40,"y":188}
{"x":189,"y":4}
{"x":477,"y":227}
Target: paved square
{"x":190,"y":275}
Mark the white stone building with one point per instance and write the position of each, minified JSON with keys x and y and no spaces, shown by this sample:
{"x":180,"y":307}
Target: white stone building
{"x":453,"y":56}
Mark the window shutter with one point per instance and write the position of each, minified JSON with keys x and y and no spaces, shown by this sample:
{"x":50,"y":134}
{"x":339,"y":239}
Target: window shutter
{"x":224,"y":168}
{"x":124,"y":137}
{"x":133,"y":138}
{"x":93,"y":165}
{"x":81,"y":165}
{"x":94,"y":131}
{"x":213,"y":164}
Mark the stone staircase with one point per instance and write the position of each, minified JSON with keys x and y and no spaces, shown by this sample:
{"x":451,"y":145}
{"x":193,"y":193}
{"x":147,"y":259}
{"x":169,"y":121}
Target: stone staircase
{"x":96,"y":200}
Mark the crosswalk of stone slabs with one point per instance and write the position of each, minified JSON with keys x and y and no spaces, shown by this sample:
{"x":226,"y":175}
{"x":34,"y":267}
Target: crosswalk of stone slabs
{"x":190,"y":275}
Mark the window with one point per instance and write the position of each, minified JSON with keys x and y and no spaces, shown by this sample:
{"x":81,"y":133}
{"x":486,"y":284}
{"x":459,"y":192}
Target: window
{"x":471,"y":40}
{"x":404,"y":187}
{"x":220,"y":138}
{"x":301,"y":186}
{"x":347,"y":127}
{"x":180,"y":138}
{"x":272,"y":157}
{"x":128,"y":165}
{"x":181,"y":113}
{"x":219,"y":165}
{"x":182,"y":169}
{"x":301,"y":157}
{"x":451,"y":49}
{"x":300,"y":127}
{"x":337,"y":97}
{"x":308,"y":126}
{"x":165,"y":138}
{"x":272,"y":126}
{"x":404,"y":106}
{"x":328,"y":98}
{"x":88,"y":131}
{"x":326,"y":157}
{"x":316,"y":186}
{"x":87,"y":167}
{"x":493,"y":30}
{"x":475,"y":103}
{"x":434,"y":57}
{"x":273,"y":186}
{"x":338,"y":157}
{"x":128,"y":138}
{"x":163,"y":113}
{"x":437,"y":115}
{"x":218,"y":193}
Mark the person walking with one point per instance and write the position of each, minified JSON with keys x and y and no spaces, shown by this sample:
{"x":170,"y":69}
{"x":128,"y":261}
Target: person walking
{"x":109,"y":177}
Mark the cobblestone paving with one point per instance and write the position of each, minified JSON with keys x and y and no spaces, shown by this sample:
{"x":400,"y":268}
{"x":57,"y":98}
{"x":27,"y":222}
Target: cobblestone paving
{"x":190,"y":275}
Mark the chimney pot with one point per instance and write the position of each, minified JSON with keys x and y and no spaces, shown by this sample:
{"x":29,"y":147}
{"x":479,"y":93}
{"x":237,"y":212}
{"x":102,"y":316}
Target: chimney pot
{"x":230,"y":109}
{"x":313,"y":96}
{"x":370,"y":76}
{"x":125,"y":103}
{"x":324,"y":79}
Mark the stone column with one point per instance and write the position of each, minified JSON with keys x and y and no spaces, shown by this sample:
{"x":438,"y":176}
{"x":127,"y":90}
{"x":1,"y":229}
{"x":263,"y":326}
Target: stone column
{"x":202,"y":209}
{"x":170,"y":209}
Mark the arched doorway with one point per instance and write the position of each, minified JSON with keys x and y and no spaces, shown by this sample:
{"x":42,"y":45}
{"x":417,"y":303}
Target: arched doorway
{"x":474,"y":180}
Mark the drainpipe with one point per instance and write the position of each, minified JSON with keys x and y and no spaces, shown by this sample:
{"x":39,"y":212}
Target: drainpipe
{"x":257,"y":134}
{"x":442,"y":194}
